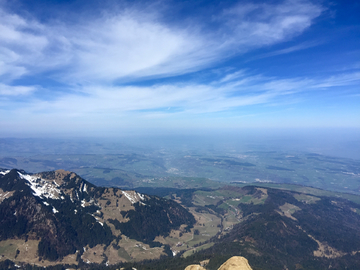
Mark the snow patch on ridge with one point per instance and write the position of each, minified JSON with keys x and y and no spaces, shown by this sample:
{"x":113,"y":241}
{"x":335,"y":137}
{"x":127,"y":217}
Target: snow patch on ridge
{"x":133,"y":196}
{"x":41,"y":187}
{"x":142,"y":197}
{"x":6,"y":172}
{"x":97,"y":220}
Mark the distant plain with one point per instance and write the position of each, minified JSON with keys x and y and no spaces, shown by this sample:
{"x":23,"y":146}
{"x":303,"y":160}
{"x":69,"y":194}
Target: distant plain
{"x":182,"y":164}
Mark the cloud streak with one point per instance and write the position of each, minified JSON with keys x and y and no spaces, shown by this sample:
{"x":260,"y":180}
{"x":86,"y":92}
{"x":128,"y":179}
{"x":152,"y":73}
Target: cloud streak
{"x":136,"y":45}
{"x":7,"y":90}
{"x":291,"y":49}
{"x":134,"y":106}
{"x":186,"y":97}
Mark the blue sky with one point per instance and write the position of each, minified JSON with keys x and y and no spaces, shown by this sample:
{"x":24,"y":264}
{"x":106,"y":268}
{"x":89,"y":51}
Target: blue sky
{"x":110,"y":67}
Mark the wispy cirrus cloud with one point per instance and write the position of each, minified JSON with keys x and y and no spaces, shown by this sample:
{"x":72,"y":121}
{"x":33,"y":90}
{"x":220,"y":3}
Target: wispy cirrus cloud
{"x":21,"y":45}
{"x":134,"y":44}
{"x":98,"y":64}
{"x":112,"y":106}
{"x":254,"y":25}
{"x":8,"y":91}
{"x":291,"y":49}
{"x":340,"y":80}
{"x":186,"y":97}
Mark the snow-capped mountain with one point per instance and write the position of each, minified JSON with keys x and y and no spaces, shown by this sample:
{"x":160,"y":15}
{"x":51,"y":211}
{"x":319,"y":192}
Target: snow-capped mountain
{"x":57,"y":215}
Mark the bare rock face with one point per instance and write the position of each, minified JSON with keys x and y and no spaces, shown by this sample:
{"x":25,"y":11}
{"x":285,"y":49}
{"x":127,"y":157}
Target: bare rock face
{"x":236,"y":263}
{"x":194,"y":267}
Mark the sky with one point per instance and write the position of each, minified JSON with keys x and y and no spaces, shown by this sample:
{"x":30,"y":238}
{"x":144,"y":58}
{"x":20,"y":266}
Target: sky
{"x":81,"y":68}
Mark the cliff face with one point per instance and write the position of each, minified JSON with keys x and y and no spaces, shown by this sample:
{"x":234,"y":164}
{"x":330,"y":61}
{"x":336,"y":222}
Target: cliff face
{"x":234,"y":263}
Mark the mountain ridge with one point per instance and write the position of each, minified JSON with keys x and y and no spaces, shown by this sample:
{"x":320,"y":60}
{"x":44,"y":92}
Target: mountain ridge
{"x":68,"y":215}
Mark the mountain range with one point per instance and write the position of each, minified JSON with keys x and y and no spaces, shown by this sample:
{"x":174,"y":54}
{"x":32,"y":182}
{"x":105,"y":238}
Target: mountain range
{"x":60,"y":217}
{"x":57,"y":219}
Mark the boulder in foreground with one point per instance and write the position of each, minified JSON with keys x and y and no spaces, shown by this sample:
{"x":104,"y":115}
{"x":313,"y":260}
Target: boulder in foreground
{"x":234,"y":263}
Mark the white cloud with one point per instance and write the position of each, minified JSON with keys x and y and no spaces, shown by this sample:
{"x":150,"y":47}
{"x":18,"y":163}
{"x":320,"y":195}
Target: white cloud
{"x":187,"y":97}
{"x":147,"y":106}
{"x":233,"y":76}
{"x":299,"y":47}
{"x":340,"y":80}
{"x":125,"y":46}
{"x":132,"y":44}
{"x":255,"y":25}
{"x":6,"y":90}
{"x":21,"y":45}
